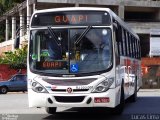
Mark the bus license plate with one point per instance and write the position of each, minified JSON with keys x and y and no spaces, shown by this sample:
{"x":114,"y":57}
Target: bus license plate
{"x":101,"y":100}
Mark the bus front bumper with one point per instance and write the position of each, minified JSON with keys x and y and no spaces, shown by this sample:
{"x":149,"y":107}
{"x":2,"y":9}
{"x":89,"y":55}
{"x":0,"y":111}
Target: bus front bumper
{"x":106,"y":99}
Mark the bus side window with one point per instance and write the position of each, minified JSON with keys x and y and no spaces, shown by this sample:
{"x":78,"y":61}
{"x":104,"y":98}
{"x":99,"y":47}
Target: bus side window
{"x":124,"y":42}
{"x":130,"y":45}
{"x":133,"y":47}
{"x":120,"y":42}
{"x":139,"y":51}
{"x":136,"y":48}
{"x":127,"y":44}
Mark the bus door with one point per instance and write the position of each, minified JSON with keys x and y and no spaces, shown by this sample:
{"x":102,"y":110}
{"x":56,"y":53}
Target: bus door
{"x":130,"y":78}
{"x":127,"y":78}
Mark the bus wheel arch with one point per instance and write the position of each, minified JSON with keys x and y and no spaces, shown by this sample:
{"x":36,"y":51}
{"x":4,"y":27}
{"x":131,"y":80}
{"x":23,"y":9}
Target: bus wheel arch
{"x":119,"y":108}
{"x":133,"y":97}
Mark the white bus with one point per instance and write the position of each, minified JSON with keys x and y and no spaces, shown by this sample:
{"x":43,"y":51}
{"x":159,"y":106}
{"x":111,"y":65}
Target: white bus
{"x":82,"y":57}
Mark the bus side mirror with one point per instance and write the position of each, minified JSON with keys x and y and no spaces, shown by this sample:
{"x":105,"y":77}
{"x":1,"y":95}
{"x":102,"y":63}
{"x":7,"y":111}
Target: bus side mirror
{"x":16,"y":42}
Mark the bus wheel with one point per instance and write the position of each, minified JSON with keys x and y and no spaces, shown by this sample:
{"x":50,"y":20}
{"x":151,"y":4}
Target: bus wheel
{"x":3,"y":90}
{"x":133,"y":97}
{"x":51,"y":110}
{"x":119,"y":109}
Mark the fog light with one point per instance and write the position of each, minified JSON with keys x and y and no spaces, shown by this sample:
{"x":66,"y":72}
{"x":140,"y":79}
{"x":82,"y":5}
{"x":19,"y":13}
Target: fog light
{"x":50,"y":101}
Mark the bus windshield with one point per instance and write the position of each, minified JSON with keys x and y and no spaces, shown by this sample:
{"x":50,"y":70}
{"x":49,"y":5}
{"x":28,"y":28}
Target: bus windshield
{"x":70,"y":51}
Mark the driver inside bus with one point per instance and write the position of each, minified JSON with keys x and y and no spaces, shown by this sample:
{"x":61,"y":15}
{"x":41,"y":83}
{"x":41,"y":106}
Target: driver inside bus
{"x":101,"y":40}
{"x":54,"y":49}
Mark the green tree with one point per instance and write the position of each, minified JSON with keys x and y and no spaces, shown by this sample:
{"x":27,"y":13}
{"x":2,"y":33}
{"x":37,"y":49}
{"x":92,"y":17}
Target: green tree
{"x":7,"y":3}
{"x":16,"y":59}
{"x":1,"y":9}
{"x":18,"y":1}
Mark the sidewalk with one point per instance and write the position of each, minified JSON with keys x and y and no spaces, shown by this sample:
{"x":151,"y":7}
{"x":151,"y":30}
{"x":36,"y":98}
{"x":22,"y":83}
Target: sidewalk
{"x":149,"y":92}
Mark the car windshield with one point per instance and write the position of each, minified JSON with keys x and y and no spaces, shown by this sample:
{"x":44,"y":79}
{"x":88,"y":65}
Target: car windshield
{"x":70,"y":51}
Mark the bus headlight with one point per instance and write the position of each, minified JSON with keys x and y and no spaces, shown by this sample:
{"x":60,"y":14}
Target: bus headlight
{"x":38,"y":87}
{"x":103,"y":86}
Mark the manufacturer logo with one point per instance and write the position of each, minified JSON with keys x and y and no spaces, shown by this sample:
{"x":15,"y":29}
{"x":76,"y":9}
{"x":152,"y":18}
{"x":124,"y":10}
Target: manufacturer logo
{"x":69,"y":90}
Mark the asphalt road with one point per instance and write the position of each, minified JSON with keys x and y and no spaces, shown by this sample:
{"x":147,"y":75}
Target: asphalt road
{"x":14,"y":106}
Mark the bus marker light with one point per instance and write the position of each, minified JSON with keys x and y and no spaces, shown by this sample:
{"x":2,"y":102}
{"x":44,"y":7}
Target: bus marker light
{"x":101,"y":99}
{"x":53,"y":87}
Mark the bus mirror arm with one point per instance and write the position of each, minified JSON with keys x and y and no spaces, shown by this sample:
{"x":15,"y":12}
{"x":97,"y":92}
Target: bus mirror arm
{"x":54,"y":36}
{"x":83,"y":34}
{"x":115,"y":25}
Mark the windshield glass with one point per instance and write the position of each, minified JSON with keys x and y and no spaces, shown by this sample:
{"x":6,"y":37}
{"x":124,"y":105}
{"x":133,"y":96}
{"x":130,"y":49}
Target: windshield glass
{"x":70,"y":51}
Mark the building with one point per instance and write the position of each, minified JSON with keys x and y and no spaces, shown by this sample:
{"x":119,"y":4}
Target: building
{"x":143,"y":16}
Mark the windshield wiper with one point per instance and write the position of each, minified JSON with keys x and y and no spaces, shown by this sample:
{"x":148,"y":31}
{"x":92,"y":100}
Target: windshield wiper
{"x":54,"y":36}
{"x":83,"y":34}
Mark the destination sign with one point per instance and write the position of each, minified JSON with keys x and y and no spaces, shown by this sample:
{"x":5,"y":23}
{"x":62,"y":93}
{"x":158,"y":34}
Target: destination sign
{"x":71,"y":18}
{"x":51,"y":65}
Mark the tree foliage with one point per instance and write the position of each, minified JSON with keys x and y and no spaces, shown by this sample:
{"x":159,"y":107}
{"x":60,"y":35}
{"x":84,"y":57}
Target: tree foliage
{"x":16,"y":59}
{"x":8,"y":4}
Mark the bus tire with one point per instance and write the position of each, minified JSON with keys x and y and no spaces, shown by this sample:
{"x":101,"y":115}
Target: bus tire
{"x":119,"y":109}
{"x":133,"y":97}
{"x":3,"y":90}
{"x":51,"y":110}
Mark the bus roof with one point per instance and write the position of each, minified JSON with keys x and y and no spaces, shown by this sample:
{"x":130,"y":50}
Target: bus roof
{"x":123,"y":24}
{"x":112,"y":14}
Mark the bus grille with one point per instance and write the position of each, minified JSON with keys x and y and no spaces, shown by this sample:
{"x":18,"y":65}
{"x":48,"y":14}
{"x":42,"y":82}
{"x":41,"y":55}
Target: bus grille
{"x":69,"y":99}
{"x":70,"y":82}
{"x":74,"y":90}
